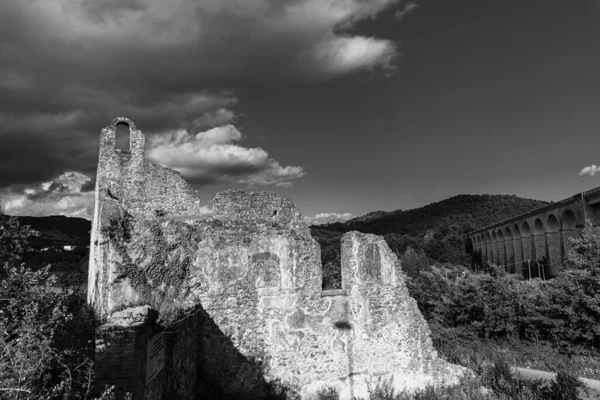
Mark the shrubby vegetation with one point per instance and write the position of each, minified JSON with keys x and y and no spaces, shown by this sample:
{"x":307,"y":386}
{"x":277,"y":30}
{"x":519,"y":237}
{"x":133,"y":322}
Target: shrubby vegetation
{"x":543,"y":324}
{"x":45,"y":338}
{"x":46,"y":335}
{"x":564,"y":311}
{"x":492,"y":382}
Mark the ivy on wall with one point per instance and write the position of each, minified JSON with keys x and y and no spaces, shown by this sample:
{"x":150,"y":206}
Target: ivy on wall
{"x":155,"y":256}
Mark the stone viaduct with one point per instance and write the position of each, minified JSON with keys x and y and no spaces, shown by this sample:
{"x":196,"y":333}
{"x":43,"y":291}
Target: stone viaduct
{"x":236,"y":300}
{"x":539,"y":236}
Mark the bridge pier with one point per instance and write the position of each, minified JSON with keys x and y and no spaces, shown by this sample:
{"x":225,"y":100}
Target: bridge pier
{"x":553,"y":241}
{"x":495,"y":257}
{"x":518,"y":254}
{"x":527,"y":249}
{"x":501,"y":252}
{"x":539,"y":243}
{"x":510,"y":254}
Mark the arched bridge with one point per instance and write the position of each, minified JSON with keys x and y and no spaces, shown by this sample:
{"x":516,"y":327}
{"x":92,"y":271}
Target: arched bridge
{"x":540,"y":236}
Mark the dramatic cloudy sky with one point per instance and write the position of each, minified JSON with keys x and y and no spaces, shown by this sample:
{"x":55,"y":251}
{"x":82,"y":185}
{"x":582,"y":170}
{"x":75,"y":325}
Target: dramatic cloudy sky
{"x":343,"y":106}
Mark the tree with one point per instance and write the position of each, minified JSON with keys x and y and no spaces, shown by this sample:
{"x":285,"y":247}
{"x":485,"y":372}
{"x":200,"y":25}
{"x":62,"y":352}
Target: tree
{"x":585,"y":249}
{"x":413,"y":262}
{"x":14,"y":239}
{"x":46,"y":336}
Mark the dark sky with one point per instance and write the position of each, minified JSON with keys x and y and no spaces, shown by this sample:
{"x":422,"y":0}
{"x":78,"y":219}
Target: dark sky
{"x":345,"y":107}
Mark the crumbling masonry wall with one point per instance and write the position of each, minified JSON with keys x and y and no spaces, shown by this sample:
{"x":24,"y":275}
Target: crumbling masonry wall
{"x":126,"y":181}
{"x":254,"y":272}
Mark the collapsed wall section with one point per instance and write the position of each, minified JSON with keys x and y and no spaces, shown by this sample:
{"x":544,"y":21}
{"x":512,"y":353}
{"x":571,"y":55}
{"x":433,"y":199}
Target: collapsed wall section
{"x":263,"y":289}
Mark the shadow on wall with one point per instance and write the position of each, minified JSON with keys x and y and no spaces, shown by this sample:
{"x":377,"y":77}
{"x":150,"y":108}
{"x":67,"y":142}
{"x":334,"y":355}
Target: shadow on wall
{"x":222,"y":371}
{"x":201,"y":362}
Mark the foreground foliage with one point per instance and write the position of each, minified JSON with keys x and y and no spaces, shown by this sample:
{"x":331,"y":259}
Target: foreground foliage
{"x":564,"y":311}
{"x":46,"y":335}
{"x":492,"y":382}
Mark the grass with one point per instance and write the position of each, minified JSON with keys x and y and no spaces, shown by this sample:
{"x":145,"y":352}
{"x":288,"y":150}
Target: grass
{"x":459,"y":347}
{"x":492,"y":382}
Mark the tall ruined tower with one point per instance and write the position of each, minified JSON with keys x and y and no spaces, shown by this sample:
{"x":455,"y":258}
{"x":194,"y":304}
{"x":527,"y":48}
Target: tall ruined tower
{"x":126,"y":181}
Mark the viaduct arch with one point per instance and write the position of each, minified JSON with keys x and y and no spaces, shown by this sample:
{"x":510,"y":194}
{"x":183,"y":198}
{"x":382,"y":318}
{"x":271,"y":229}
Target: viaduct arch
{"x":539,"y":236}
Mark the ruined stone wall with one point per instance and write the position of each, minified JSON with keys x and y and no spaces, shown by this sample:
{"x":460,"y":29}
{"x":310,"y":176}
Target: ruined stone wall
{"x":249,"y":282}
{"x":260,"y":285}
{"x":125,"y":181}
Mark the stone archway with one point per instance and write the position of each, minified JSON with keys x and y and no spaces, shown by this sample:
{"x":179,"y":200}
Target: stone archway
{"x":568,"y":230}
{"x":553,"y":245}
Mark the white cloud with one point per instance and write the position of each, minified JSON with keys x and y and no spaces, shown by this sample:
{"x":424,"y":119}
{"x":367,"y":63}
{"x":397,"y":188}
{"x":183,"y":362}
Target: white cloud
{"x":212,"y":156}
{"x":408,"y":9}
{"x":284,"y":184}
{"x":345,"y":54}
{"x":67,"y":67}
{"x":328,"y":218}
{"x":64,"y":195}
{"x":222,"y":35}
{"x":590,"y":170}
{"x":218,"y":117}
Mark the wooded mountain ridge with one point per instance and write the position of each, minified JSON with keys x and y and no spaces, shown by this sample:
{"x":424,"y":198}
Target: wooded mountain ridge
{"x":436,"y":229}
{"x":467,"y":211}
{"x":58,"y":230}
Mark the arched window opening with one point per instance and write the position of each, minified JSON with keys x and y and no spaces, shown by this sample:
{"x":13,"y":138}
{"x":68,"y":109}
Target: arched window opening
{"x":538,"y":227}
{"x":568,"y":220}
{"x":516,"y":231}
{"x":552,"y":223}
{"x":525,"y":229}
{"x":508,"y":233}
{"x":500,"y":235}
{"x":122,"y":136}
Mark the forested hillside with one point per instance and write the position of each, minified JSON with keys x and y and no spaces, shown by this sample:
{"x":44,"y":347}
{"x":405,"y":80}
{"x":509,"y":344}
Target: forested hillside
{"x":58,"y":230}
{"x":436,"y":230}
{"x":468,"y":212}
{"x":46,"y":248}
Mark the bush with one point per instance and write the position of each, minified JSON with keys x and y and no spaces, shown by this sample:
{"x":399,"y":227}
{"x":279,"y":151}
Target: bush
{"x":412,"y":262}
{"x":565,"y":387}
{"x":46,"y":338}
{"x":564,"y":311}
{"x":494,"y":382}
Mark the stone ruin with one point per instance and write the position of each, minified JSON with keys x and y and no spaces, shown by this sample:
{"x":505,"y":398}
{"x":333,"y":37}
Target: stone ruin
{"x":249,"y":283}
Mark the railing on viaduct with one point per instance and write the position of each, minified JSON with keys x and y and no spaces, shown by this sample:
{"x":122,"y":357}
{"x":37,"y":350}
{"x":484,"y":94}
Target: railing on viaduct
{"x":534,"y":243}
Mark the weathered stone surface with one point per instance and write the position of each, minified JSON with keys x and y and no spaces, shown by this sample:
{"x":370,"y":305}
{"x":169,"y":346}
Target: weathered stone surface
{"x":253,"y":274}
